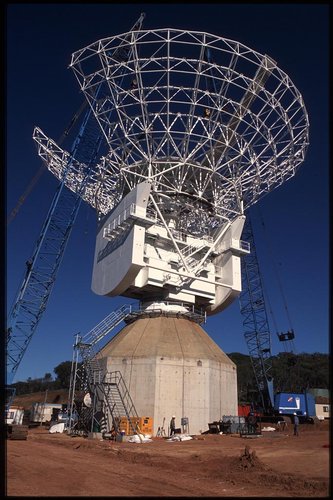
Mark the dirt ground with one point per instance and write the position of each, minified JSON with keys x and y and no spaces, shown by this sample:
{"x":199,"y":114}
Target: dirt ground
{"x":277,"y":464}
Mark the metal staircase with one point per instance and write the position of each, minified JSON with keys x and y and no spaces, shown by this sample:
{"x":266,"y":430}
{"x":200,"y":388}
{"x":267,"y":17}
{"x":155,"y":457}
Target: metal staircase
{"x":110,"y":400}
{"x":106,"y":325}
{"x":110,"y":395}
{"x":118,"y":400}
{"x":190,"y":252}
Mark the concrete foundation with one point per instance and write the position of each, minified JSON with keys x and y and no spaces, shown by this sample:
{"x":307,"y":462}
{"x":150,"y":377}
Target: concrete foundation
{"x":172,"y":367}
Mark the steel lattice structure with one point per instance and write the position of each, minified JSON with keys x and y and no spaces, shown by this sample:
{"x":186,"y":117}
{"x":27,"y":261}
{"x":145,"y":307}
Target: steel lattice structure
{"x":213,"y":124}
{"x":196,"y":129}
{"x":255,"y":321}
{"x":42,"y":268}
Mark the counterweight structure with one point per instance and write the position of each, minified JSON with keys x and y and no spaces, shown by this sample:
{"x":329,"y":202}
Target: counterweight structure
{"x":198,"y":128}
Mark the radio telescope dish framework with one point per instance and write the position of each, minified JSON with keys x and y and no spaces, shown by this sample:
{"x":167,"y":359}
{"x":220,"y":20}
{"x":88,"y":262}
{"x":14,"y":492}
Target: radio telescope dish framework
{"x":210,"y":124}
{"x":213,"y":124}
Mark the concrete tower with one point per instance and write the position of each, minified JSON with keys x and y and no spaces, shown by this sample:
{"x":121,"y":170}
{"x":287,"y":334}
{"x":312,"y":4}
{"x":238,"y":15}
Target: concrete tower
{"x":172,"y":367}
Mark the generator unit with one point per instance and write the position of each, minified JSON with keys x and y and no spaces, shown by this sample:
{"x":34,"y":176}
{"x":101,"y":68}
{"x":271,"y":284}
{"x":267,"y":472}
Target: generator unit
{"x":144,"y":425}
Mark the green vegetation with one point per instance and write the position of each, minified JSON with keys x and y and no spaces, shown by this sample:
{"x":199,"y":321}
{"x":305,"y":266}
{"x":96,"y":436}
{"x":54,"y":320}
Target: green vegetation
{"x":291,"y":373}
{"x":63,"y":373}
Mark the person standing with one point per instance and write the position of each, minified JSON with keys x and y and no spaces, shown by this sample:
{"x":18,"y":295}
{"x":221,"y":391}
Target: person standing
{"x":172,"y":425}
{"x":296,"y":424}
{"x":252,"y":423}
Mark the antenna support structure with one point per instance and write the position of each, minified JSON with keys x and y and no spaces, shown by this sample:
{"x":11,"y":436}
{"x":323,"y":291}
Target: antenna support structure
{"x":196,"y":128}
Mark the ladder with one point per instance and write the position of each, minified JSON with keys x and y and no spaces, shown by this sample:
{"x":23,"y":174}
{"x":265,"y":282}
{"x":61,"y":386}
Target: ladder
{"x":119,"y":401}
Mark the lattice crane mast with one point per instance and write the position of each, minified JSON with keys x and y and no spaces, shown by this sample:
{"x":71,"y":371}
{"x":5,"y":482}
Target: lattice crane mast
{"x":42,"y":267}
{"x":256,"y":325}
{"x":255,"y":322}
{"x":253,"y":310}
{"x":252,"y":302}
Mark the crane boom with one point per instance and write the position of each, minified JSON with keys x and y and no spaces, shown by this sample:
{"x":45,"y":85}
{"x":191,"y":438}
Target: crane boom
{"x":42,"y":168}
{"x":255,"y":321}
{"x":42,"y":268}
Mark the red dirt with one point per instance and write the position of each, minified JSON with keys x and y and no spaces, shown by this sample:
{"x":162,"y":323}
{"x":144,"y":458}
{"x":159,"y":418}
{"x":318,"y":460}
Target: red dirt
{"x":274,"y":465}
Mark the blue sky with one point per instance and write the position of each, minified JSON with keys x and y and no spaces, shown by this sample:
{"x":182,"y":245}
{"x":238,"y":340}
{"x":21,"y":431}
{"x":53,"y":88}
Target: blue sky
{"x":42,"y":91}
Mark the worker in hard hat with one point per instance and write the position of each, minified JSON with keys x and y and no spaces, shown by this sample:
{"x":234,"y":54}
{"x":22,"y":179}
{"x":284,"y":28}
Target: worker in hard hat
{"x":172,"y":425}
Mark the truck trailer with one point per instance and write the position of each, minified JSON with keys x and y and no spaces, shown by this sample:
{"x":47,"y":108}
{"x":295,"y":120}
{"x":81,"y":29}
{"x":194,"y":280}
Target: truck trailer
{"x":303,"y":405}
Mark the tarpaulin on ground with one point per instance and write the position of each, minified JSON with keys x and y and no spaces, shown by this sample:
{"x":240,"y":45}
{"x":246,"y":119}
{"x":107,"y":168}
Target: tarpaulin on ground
{"x":57,"y":428}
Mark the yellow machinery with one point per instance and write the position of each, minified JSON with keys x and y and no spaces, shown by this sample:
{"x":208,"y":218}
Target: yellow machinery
{"x":143,"y":425}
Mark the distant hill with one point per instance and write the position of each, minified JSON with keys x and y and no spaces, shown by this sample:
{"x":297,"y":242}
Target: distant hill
{"x":59,"y":396}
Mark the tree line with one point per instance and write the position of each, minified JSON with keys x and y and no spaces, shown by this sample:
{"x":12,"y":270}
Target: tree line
{"x":60,"y":381}
{"x":290,"y":373}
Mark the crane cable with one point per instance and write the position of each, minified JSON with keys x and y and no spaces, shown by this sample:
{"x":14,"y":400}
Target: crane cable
{"x":290,"y":347}
{"x":288,"y":343}
{"x":42,"y":169}
{"x":269,"y":304}
{"x":275,"y":269}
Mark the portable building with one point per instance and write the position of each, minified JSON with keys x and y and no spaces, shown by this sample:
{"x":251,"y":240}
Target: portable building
{"x":15,"y":415}
{"x":42,"y":412}
{"x":323,"y":411}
